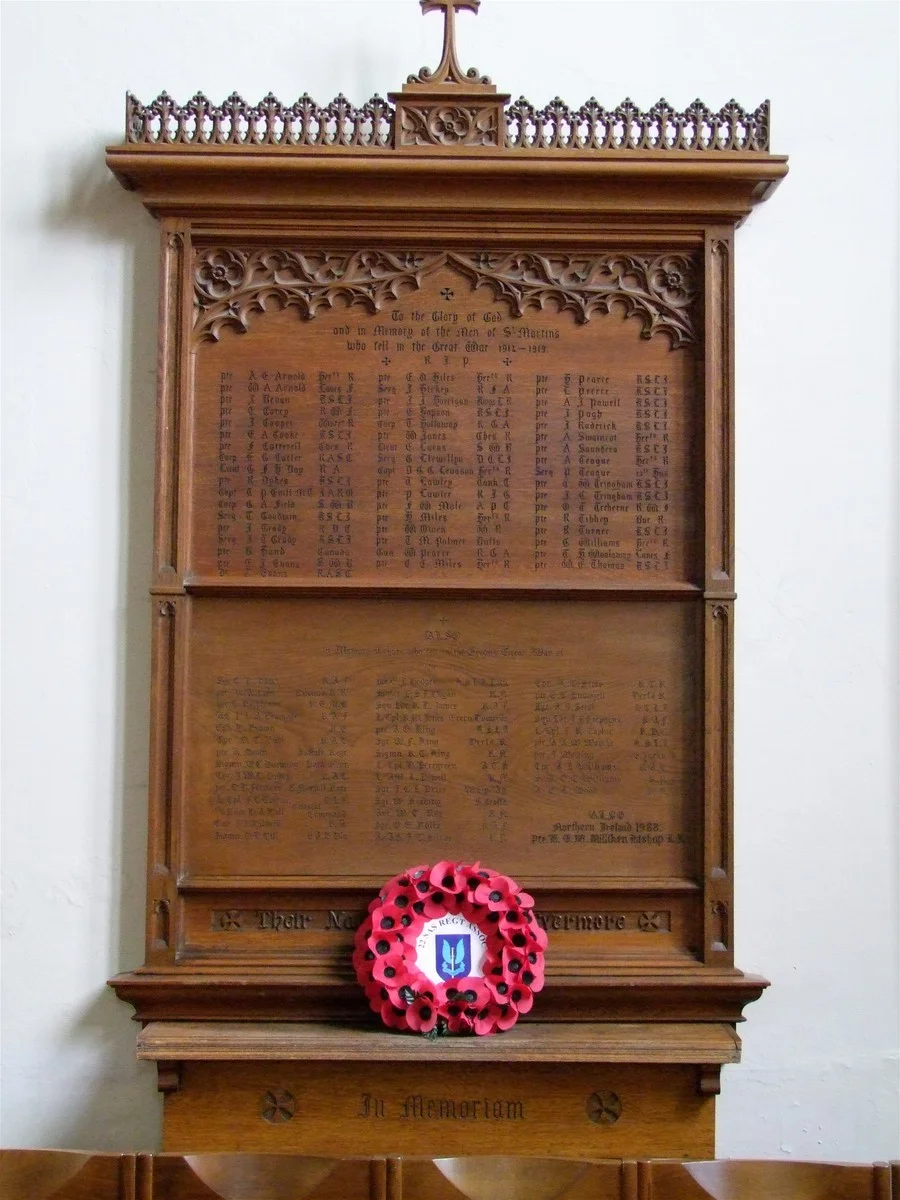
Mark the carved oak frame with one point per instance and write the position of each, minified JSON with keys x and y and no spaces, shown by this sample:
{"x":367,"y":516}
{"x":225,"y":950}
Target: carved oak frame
{"x":294,"y":204}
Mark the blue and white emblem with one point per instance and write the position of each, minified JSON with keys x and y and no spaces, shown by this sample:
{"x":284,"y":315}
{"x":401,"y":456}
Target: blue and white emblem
{"x":453,"y":955}
{"x":450,"y":947}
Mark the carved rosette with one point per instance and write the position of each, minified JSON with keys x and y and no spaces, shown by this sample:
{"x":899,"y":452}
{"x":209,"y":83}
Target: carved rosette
{"x":449,"y":125}
{"x":230,"y":284}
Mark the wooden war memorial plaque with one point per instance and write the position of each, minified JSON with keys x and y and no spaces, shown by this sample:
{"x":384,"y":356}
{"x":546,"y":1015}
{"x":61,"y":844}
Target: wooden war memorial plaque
{"x":444,"y":570}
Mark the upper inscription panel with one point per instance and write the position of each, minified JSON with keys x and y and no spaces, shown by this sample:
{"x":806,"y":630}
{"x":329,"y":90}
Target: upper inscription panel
{"x":376,"y":419}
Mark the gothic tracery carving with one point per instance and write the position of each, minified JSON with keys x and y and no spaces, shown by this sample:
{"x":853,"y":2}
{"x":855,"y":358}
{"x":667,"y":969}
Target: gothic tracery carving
{"x":659,"y":290}
{"x":230,"y":284}
{"x":555,"y":127}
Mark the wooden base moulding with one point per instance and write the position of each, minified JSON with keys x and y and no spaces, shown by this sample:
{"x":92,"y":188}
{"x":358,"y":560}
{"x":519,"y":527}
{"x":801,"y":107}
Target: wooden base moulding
{"x":558,"y":1089}
{"x":319,"y":1108}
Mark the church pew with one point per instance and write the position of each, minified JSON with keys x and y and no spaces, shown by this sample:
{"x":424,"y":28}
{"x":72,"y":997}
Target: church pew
{"x":258,"y":1177}
{"x":507,"y":1178}
{"x":65,"y":1175}
{"x":727,"y":1179}
{"x":75,"y":1175}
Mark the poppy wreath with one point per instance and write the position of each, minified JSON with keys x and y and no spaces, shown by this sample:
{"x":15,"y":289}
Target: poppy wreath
{"x":477,"y":977}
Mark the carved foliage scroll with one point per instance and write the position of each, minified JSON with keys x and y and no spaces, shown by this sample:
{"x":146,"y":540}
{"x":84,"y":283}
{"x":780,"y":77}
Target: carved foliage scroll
{"x":231,"y":283}
{"x":660,"y":291}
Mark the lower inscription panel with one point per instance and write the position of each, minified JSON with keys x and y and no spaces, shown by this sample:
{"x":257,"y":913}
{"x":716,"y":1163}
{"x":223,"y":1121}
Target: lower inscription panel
{"x":592,"y":1110}
{"x":557,"y":738}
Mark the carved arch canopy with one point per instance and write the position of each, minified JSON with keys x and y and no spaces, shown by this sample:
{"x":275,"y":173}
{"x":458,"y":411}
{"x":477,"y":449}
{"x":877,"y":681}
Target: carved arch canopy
{"x":660,"y":290}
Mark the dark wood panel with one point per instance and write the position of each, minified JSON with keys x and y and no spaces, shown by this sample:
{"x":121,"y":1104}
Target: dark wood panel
{"x":336,"y":738}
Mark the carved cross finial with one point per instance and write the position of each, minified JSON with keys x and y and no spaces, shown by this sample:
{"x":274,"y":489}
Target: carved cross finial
{"x":449,"y":70}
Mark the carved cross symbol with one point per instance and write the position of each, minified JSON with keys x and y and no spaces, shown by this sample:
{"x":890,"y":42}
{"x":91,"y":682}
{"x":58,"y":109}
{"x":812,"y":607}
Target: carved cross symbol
{"x":231,"y":919}
{"x":648,"y":922}
{"x":449,"y":70}
{"x":604,"y":1108}
{"x":277,"y":1106}
{"x":507,"y":360}
{"x":385,"y":360}
{"x":447,"y":293}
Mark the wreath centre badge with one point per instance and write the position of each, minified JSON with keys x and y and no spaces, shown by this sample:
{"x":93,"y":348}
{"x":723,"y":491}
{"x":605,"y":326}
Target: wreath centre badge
{"x":451,"y":948}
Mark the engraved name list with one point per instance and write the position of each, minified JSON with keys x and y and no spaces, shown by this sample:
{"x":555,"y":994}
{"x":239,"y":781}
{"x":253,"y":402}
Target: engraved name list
{"x":443,"y":439}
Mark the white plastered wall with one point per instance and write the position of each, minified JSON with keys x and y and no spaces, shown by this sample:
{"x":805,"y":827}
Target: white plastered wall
{"x":816,"y":748}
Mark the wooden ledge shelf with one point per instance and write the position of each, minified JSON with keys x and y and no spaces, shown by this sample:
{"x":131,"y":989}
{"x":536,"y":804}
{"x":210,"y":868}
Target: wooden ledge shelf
{"x":311,"y":999}
{"x":665,"y":1043}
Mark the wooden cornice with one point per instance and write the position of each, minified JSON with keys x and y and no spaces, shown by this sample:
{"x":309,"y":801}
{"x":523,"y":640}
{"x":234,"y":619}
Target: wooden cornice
{"x":234,"y":182}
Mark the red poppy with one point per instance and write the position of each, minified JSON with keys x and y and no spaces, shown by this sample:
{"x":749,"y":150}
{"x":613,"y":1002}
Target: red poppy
{"x":361,"y":952}
{"x":460,"y":1023}
{"x":393,"y":971}
{"x":497,"y":892}
{"x":532,"y":974}
{"x":394,"y":916}
{"x":422,"y":1014}
{"x":513,"y":961}
{"x":536,"y":935}
{"x":472,"y":992}
{"x":506,"y":1017}
{"x":462,"y":1000}
{"x":521,"y":998}
{"x":485,"y":1021}
{"x":393,"y":1016}
{"x":448,"y":877}
{"x":513,"y":920}
{"x":437,"y":904}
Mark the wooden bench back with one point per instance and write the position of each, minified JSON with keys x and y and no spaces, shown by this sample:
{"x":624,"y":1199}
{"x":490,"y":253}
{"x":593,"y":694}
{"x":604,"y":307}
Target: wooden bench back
{"x":74,"y":1175}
